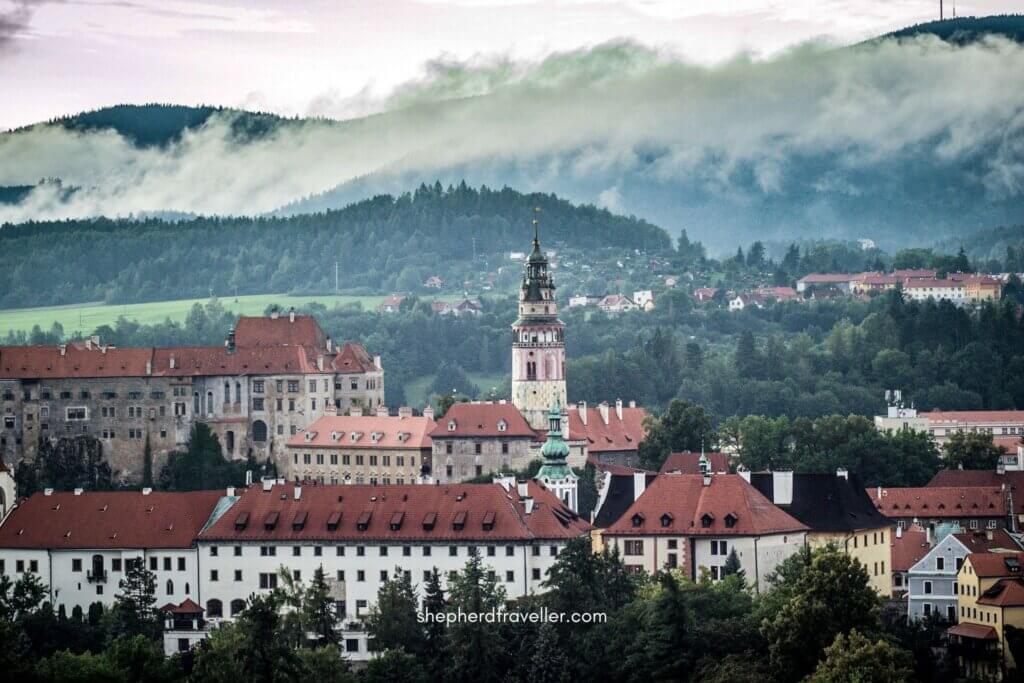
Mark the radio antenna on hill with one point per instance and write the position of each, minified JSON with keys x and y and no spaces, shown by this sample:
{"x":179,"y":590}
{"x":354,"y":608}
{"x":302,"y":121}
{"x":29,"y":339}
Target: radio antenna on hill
{"x":940,"y":11}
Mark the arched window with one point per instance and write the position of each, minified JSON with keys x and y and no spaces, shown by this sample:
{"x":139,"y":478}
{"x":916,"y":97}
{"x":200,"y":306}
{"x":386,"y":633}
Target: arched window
{"x":227,"y":393}
{"x":229,"y":441}
{"x":259,"y":431}
{"x":237,"y":606}
{"x":196,"y":408}
{"x":169,"y":587}
{"x":238,"y":392}
{"x":214,"y":608}
{"x":209,"y":401}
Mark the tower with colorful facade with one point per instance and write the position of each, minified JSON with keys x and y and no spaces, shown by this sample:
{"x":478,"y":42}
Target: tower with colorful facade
{"x":538,"y":342}
{"x":555,"y":473}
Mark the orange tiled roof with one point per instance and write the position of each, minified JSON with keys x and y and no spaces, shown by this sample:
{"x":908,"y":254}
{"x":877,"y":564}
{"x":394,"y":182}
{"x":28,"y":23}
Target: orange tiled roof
{"x":689,"y":463}
{"x":366,"y":431}
{"x":623,"y":434}
{"x":939,"y":501}
{"x":482,"y":419}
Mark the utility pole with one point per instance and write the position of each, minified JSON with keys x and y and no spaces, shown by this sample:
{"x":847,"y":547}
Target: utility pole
{"x":940,"y":11}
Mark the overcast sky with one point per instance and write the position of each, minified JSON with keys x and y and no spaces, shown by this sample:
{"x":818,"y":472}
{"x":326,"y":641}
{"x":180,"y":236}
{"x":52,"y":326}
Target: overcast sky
{"x":326,"y":56}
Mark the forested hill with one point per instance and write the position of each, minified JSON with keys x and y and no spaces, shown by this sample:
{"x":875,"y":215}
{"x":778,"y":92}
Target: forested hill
{"x":381,"y":244}
{"x":964,"y":30}
{"x":156,"y":125}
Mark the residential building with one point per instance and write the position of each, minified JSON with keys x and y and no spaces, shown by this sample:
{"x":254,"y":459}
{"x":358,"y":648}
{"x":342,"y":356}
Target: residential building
{"x":979,"y":288}
{"x":617,"y":489}
{"x":391,"y":304}
{"x":942,"y":424}
{"x":184,"y":626}
{"x":433,"y":282}
{"x":611,"y":434}
{"x":616,"y":303}
{"x":932,"y":586}
{"x":908,"y":546}
{"x":837,"y":512}
{"x":361,"y":535}
{"x":990,"y":597}
{"x":363,"y":449}
{"x":952,"y":291}
{"x":584,"y":300}
{"x":272,"y":377}
{"x":841,"y":281}
{"x":480,"y":438}
{"x":745,"y":300}
{"x":80,"y":544}
{"x":694,"y":521}
{"x":538,"y":343}
{"x":644,"y":299}
{"x":1009,"y":479}
{"x":972,"y":507}
{"x":687,"y":462}
{"x":704,"y":294}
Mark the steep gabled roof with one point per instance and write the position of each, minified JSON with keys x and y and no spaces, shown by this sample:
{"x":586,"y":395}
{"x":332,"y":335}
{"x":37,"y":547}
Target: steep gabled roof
{"x":108,"y":519}
{"x":939,"y":501}
{"x":623,"y":434}
{"x":619,"y":497}
{"x":908,"y":547}
{"x":988,"y":565}
{"x":1005,"y":593}
{"x":412,"y":513}
{"x":83,"y":360}
{"x":689,"y":501}
{"x":280,"y":331}
{"x":482,"y":419}
{"x":826,"y":502}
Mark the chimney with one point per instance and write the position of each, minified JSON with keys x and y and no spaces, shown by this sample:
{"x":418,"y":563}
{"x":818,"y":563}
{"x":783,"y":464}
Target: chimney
{"x":320,"y":363}
{"x":330,"y":345}
{"x":782,"y":488}
{"x":602,"y":407}
{"x":377,"y":363}
{"x":146,"y":491}
{"x":521,"y":489}
{"x":230,"y":341}
{"x":404,"y":411}
{"x":248,"y":477}
{"x":528,"y":504}
{"x":842,"y":472}
{"x":632,"y":404}
{"x":298,"y":492}
{"x":63,"y":349}
{"x":428,"y":412}
{"x":47,"y":492}
{"x":275,"y":313}
{"x":356,"y":410}
{"x":706,"y":477}
{"x":1000,"y":467}
{"x":506,"y":481}
{"x":899,"y":531}
{"x":230,"y":492}
{"x":291,"y":314}
{"x":172,"y":362}
{"x":928,"y":534}
{"x":382,"y":410}
{"x":78,"y":492}
{"x":743,"y":472}
{"x":618,"y":408}
{"x":988,"y":534}
{"x":639,"y":484}
{"x":583,"y":412}
{"x":149,"y":367}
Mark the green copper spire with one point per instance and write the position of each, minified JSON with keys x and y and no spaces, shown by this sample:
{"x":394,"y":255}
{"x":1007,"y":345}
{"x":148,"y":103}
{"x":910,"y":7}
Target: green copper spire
{"x":555,"y":450}
{"x":536,"y":276}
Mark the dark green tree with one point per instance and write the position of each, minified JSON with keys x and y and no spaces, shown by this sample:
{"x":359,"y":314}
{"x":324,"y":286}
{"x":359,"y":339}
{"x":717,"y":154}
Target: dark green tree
{"x":853,"y":658}
{"x":134,"y":612}
{"x":393,"y":623}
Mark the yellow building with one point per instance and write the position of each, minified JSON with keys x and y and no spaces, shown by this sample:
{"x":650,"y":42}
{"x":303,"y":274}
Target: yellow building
{"x":839,"y":512}
{"x":990,"y":597}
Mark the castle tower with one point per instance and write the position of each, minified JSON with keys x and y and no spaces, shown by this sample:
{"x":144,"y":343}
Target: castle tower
{"x":555,"y":473}
{"x":538,"y":342}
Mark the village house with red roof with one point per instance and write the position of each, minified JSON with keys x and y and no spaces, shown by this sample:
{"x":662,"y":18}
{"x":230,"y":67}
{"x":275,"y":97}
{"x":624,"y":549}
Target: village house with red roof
{"x":694,"y":521}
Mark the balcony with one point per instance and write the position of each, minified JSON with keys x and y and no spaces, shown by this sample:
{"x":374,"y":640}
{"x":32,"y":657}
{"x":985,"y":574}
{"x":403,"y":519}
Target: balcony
{"x":96,"y":576}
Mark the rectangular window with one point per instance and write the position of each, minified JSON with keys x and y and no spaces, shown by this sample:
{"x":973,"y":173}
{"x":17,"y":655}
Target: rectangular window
{"x":940,"y":563}
{"x":238,"y":575}
{"x":115,"y":564}
{"x":268,"y":580}
{"x":76,"y":565}
{"x":510,"y":576}
{"x":634,"y":548}
{"x":214,"y":575}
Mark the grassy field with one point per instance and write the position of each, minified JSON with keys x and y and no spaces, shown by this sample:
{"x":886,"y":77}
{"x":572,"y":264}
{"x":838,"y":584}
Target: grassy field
{"x":417,"y":391}
{"x":85,"y":318}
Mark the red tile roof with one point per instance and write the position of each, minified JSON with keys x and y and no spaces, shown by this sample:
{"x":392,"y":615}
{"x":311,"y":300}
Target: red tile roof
{"x":954,"y":416}
{"x":976,"y":631}
{"x":989,"y":478}
{"x":108,"y":519}
{"x":353,"y":358}
{"x":186,"y":607}
{"x":47,"y":362}
{"x":623,"y":470}
{"x":915,"y":273}
{"x":688,"y":501}
{"x":987,"y":541}
{"x":367,"y":431}
{"x":1005,"y":593}
{"x":193,"y":361}
{"x":827,"y":278}
{"x":482,"y":419}
{"x":457,"y":512}
{"x":689,"y":463}
{"x":939,"y":501}
{"x":618,"y":435}
{"x":988,"y":565}
{"x":280,"y":331}
{"x":908,"y":548}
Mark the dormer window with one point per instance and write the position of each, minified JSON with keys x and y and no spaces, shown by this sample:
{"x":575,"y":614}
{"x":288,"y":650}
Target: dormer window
{"x":335,"y":436}
{"x":310,"y":435}
{"x":375,"y":436}
{"x":363,"y":523}
{"x":638,"y":520}
{"x":429,"y":520}
{"x":334,"y":520}
{"x":299,"y":522}
{"x":270,"y":521}
{"x":451,"y":425}
{"x":488,"y":523}
{"x":706,"y":521}
{"x":666,"y":519}
{"x":730,"y":520}
{"x":396,"y":521}
{"x":354,"y":436}
{"x":241,"y":521}
{"x":459,"y":521}
{"x":502,"y":425}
